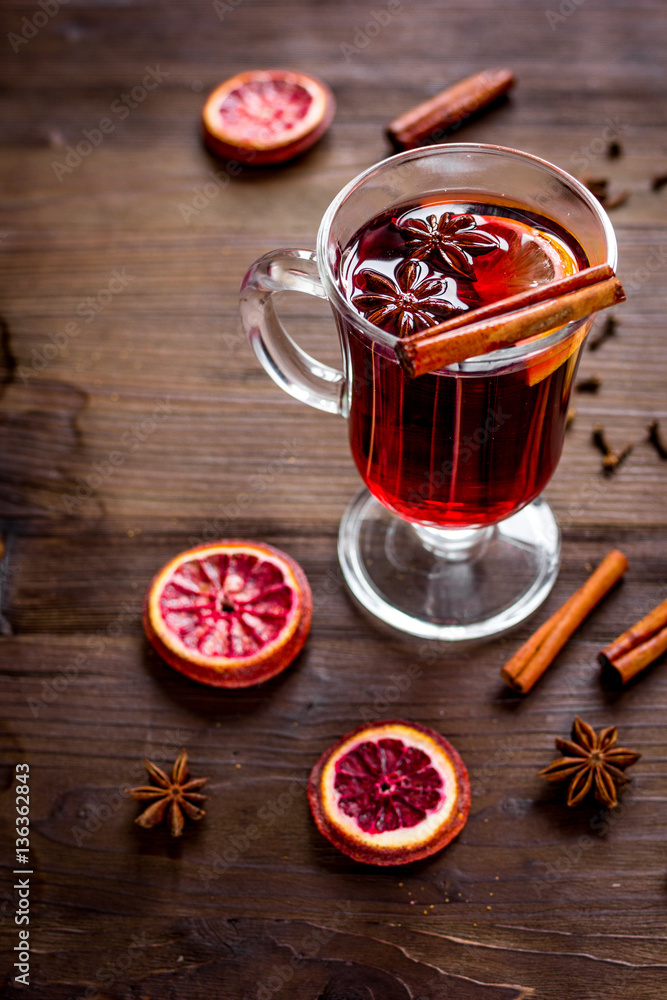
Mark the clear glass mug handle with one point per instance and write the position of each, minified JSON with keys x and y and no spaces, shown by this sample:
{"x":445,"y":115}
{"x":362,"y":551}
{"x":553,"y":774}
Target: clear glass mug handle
{"x":288,"y":365}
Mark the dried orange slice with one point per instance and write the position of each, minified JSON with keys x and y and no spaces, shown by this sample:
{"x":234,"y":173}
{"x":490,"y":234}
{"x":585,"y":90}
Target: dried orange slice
{"x":230,"y":613}
{"x":267,"y":116}
{"x":390,"y":793}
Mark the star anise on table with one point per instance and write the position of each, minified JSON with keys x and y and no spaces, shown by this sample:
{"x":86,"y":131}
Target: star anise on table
{"x":450,"y":242}
{"x":591,"y":762}
{"x":405,"y":305}
{"x":171,"y":799}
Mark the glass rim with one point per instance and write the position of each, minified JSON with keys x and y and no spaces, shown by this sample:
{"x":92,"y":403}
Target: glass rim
{"x":481,"y":362}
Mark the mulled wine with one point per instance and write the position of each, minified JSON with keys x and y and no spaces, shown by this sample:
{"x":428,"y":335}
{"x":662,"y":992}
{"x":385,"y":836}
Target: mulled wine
{"x":459,"y":447}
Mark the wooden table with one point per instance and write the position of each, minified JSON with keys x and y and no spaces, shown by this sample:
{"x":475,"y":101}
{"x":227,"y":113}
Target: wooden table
{"x":135,"y":420}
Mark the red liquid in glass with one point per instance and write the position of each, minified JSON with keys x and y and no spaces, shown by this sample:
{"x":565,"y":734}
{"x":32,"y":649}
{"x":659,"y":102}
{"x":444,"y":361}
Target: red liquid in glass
{"x":460,"y":447}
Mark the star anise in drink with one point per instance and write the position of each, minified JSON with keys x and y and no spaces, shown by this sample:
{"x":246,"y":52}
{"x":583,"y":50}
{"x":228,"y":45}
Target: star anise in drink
{"x":591,"y":763}
{"x":171,"y":799}
{"x":450,"y":242}
{"x":405,"y":305}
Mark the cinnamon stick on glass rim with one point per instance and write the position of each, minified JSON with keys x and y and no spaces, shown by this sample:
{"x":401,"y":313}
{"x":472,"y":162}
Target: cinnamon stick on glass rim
{"x":528,"y":664}
{"x":433,"y":118}
{"x":635,"y":649}
{"x":510,"y":320}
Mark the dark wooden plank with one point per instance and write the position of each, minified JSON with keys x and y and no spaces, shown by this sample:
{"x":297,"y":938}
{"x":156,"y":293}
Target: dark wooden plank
{"x":532,"y":899}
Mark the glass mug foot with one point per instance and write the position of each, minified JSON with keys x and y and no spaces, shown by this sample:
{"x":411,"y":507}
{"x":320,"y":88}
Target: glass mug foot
{"x":473,"y":585}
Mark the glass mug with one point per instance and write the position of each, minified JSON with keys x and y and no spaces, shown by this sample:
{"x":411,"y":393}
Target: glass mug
{"x":449,"y":539}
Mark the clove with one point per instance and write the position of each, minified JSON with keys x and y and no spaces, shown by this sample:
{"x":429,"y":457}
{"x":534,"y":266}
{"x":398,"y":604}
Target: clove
{"x":591,"y":385}
{"x":617,"y":200}
{"x":599,"y":187}
{"x":610,"y":459}
{"x":608,"y":330}
{"x":655,"y":439}
{"x":658,"y":182}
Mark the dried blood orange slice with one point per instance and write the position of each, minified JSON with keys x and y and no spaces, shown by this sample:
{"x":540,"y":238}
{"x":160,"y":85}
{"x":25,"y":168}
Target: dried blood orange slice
{"x":390,"y":793}
{"x":267,"y":116}
{"x":230,"y":613}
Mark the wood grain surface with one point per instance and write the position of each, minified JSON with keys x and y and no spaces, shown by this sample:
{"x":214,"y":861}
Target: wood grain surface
{"x":120,"y":335}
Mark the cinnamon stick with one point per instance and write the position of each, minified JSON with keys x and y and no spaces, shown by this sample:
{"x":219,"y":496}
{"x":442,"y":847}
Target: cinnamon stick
{"x":514,"y":667}
{"x":515,"y":318}
{"x":521,"y":300}
{"x":528,"y":664}
{"x":449,"y":108}
{"x":642,"y":656}
{"x":635,"y":649}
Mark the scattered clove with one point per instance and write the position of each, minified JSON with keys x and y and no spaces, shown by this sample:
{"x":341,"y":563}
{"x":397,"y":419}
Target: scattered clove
{"x":658,"y":182}
{"x":599,"y":186}
{"x":610,"y":459}
{"x":655,"y":439}
{"x":591,"y":385}
{"x":614,"y":150}
{"x":607,"y":330}
{"x":617,"y":200}
{"x":600,"y":441}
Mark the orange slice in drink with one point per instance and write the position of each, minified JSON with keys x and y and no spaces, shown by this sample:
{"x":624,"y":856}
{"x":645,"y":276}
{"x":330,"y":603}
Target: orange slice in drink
{"x":548,"y":361}
{"x":230,"y":613}
{"x":390,"y":793}
{"x":526,"y":257}
{"x":267,"y":116}
{"x":530,"y":257}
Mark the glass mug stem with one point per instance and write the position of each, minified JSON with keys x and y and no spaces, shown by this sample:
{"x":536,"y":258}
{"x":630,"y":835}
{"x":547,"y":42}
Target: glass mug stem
{"x":454,"y":544}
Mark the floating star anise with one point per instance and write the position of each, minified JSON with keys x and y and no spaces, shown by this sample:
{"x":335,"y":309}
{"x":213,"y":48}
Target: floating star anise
{"x":592,"y":762}
{"x":450,"y":242}
{"x":406,"y":305}
{"x":169,"y":799}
